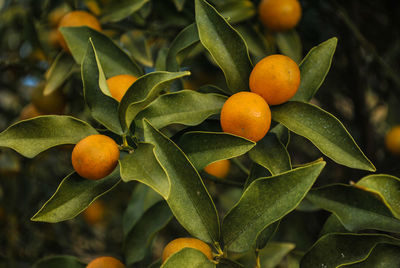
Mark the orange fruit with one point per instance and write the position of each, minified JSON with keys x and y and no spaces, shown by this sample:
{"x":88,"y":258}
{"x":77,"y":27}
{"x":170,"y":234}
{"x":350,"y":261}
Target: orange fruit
{"x":95,"y":157}
{"x":28,"y":112}
{"x":279,"y":15}
{"x":105,"y":262}
{"x":76,"y":19}
{"x":276,"y":78}
{"x":94,"y":213}
{"x":392,"y":140}
{"x":186,"y":242}
{"x":57,"y":14}
{"x":119,"y":84}
{"x":53,"y":103}
{"x":219,"y":169}
{"x":246,"y":114}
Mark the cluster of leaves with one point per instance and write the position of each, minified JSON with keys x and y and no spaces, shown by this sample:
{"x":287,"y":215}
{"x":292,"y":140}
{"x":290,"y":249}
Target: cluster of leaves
{"x":168,"y":159}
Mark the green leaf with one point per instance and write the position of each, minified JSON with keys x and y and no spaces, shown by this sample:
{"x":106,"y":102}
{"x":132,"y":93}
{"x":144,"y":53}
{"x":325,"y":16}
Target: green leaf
{"x":185,"y":107}
{"x":387,"y":187}
{"x":188,"y":198}
{"x":181,"y":46}
{"x":143,"y":197}
{"x":256,"y":172}
{"x":355,"y":208}
{"x":382,"y":255}
{"x":119,"y":10}
{"x":138,"y":46}
{"x":314,"y":68}
{"x":271,"y":154}
{"x":113,"y":59}
{"x":103,"y":107}
{"x":143,"y":166}
{"x":203,"y":148}
{"x":282,"y":133}
{"x":59,"y":71}
{"x":256,"y":42}
{"x":334,"y":250}
{"x":225,"y":45}
{"x":74,"y":195}
{"x":143,"y":92}
{"x":140,"y":238}
{"x":333,"y":225}
{"x":189,"y":258}
{"x":270,"y":199}
{"x":324,"y":130}
{"x":273,"y":254}
{"x":237,"y":10}
{"x":179,"y":4}
{"x":289,"y":44}
{"x":59,"y":261}
{"x":265,"y":235}
{"x":33,"y":136}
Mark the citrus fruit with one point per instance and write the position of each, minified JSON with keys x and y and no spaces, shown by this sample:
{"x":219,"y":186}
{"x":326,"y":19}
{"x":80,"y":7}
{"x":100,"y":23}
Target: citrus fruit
{"x":95,"y":156}
{"x":28,"y":112}
{"x":119,"y":84}
{"x":392,"y":140}
{"x":75,"y":19}
{"x":276,"y":78}
{"x":246,"y":114}
{"x":219,"y":169}
{"x":105,"y":262}
{"x":94,"y":213}
{"x":186,"y":242}
{"x":279,"y":15}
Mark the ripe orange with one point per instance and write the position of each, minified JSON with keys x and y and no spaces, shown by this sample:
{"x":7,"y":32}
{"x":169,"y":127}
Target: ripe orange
{"x":186,"y":242}
{"x":279,"y":15}
{"x":57,"y":14}
{"x":246,"y":114}
{"x":76,"y":19}
{"x":119,"y":84}
{"x":105,"y":262}
{"x":276,"y":78}
{"x":95,"y":156}
{"x":29,"y":112}
{"x":94,"y":213}
{"x":53,"y":103}
{"x":392,"y":140}
{"x":219,"y":169}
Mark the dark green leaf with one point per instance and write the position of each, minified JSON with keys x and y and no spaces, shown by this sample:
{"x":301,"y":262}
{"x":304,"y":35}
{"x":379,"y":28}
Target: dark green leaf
{"x":383,"y":255}
{"x":324,"y":130}
{"x":333,"y":225}
{"x":179,"y":4}
{"x":387,"y":187}
{"x":256,"y":172}
{"x":314,"y":68}
{"x":274,"y":253}
{"x":119,"y":10}
{"x":112,"y":58}
{"x":103,"y":107}
{"x":143,"y":92}
{"x":203,"y":148}
{"x":33,"y":136}
{"x":282,"y":133}
{"x":265,"y":236}
{"x":143,"y":166}
{"x":270,"y":153}
{"x":74,"y":195}
{"x":185,"y":107}
{"x":59,"y":71}
{"x":141,"y":236}
{"x":188,"y":198}
{"x":256,"y":42}
{"x":355,"y":208}
{"x":181,"y":46}
{"x":289,"y":44}
{"x":59,"y":261}
{"x":270,"y":199}
{"x":137,"y":44}
{"x":225,"y":45}
{"x":334,"y":250}
{"x":189,"y":258}
{"x":237,"y":10}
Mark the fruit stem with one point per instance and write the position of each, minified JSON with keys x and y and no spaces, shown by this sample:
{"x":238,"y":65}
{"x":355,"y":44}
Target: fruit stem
{"x":258,"y":264}
{"x":241,"y":166}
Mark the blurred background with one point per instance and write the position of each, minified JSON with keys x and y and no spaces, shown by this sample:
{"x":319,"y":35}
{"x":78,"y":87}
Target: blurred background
{"x":362,"y":90}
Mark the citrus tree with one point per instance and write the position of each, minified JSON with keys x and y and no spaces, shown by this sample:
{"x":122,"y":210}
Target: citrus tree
{"x":211,"y":155}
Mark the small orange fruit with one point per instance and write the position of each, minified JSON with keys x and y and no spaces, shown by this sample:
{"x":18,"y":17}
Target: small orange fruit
{"x":105,"y":262}
{"x":29,"y":112}
{"x":392,"y":140}
{"x":186,"y":242}
{"x":94,"y":213}
{"x":246,"y":114}
{"x":276,"y":78}
{"x":279,"y":15}
{"x":219,"y":169}
{"x":119,"y":84}
{"x":95,"y":157}
{"x":76,"y":19}
{"x":57,"y":14}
